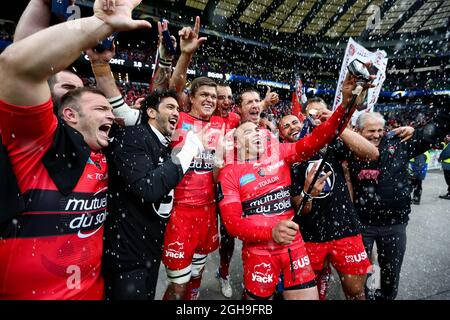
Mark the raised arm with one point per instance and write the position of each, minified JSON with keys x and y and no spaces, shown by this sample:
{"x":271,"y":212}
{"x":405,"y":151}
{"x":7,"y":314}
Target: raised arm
{"x":105,"y":81}
{"x":161,"y":79}
{"x":35,"y":18}
{"x":424,"y":138}
{"x":361,"y":148}
{"x":27,"y":64}
{"x":189,"y":43}
{"x":324,"y":133}
{"x":270,"y":99}
{"x":102,"y":71}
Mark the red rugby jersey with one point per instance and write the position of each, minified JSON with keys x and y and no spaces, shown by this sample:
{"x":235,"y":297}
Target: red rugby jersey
{"x":256,"y":194}
{"x":197,"y":186}
{"x":262,"y":191}
{"x":232,"y":121}
{"x":54,"y":249}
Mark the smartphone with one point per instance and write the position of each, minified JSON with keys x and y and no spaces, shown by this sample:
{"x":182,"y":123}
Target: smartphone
{"x":106,"y":44}
{"x":168,"y":41}
{"x":390,"y":134}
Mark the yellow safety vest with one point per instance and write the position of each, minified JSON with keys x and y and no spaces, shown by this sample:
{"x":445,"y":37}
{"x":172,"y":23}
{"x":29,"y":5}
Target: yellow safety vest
{"x":427,"y":155}
{"x":448,"y":159}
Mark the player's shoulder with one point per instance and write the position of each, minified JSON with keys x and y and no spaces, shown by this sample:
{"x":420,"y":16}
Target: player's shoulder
{"x":231,"y":170}
{"x":234,"y":116}
{"x":217,"y":120}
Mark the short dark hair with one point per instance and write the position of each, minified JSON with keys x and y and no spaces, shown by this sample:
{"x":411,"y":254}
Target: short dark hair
{"x":71,"y":97}
{"x":199,"y":82}
{"x":222,"y":83}
{"x":53,"y":79}
{"x":316,"y":100}
{"x":153,"y":100}
{"x":244,"y":91}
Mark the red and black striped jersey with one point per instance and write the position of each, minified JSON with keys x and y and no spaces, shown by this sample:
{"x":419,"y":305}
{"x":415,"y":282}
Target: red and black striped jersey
{"x":52,"y":250}
{"x":197,"y":186}
{"x":256,"y":194}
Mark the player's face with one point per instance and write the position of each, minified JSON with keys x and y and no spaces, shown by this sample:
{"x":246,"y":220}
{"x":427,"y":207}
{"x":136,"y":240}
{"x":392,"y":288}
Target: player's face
{"x":224,"y":100}
{"x":290,"y":127}
{"x":94,"y":120}
{"x":204,"y":102}
{"x":65,"y":81}
{"x":315,"y":110}
{"x":373,"y":131}
{"x":250,"y":140}
{"x":166,"y":117}
{"x":250,"y":107}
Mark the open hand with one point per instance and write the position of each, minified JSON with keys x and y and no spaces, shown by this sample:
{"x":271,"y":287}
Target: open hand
{"x":117,"y":14}
{"x":320,"y":183}
{"x":189,"y":39}
{"x":271,"y":98}
{"x":405,"y":133}
{"x":163,"y":50}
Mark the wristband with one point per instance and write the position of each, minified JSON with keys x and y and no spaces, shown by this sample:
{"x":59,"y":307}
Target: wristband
{"x":163,"y":63}
{"x":116,"y":102}
{"x":101,"y":69}
{"x":167,"y":56}
{"x":307,"y":196}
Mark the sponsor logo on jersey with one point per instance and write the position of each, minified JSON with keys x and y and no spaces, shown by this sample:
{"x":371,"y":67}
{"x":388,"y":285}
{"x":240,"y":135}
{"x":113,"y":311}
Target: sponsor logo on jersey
{"x":275,"y":166}
{"x":90,"y":161}
{"x":97,"y":176}
{"x":262,"y":273}
{"x":301,"y":263}
{"x":367,"y":174}
{"x":164,"y":208}
{"x":268,"y":181}
{"x":273,"y":203}
{"x":175,"y":250}
{"x":87,"y":222}
{"x":94,"y":216}
{"x":187,"y":126}
{"x":356,"y":257}
{"x":329,"y":183}
{"x":203,"y":164}
{"x":249,"y":177}
{"x":86,"y":204}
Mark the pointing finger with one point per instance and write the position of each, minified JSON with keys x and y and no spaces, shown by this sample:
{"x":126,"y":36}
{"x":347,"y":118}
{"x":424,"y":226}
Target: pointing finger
{"x":197,"y":25}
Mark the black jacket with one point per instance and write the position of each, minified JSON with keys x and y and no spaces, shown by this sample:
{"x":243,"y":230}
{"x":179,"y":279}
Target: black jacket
{"x":382,"y":189}
{"x":65,"y":162}
{"x":333,"y":215}
{"x":141,"y":179}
